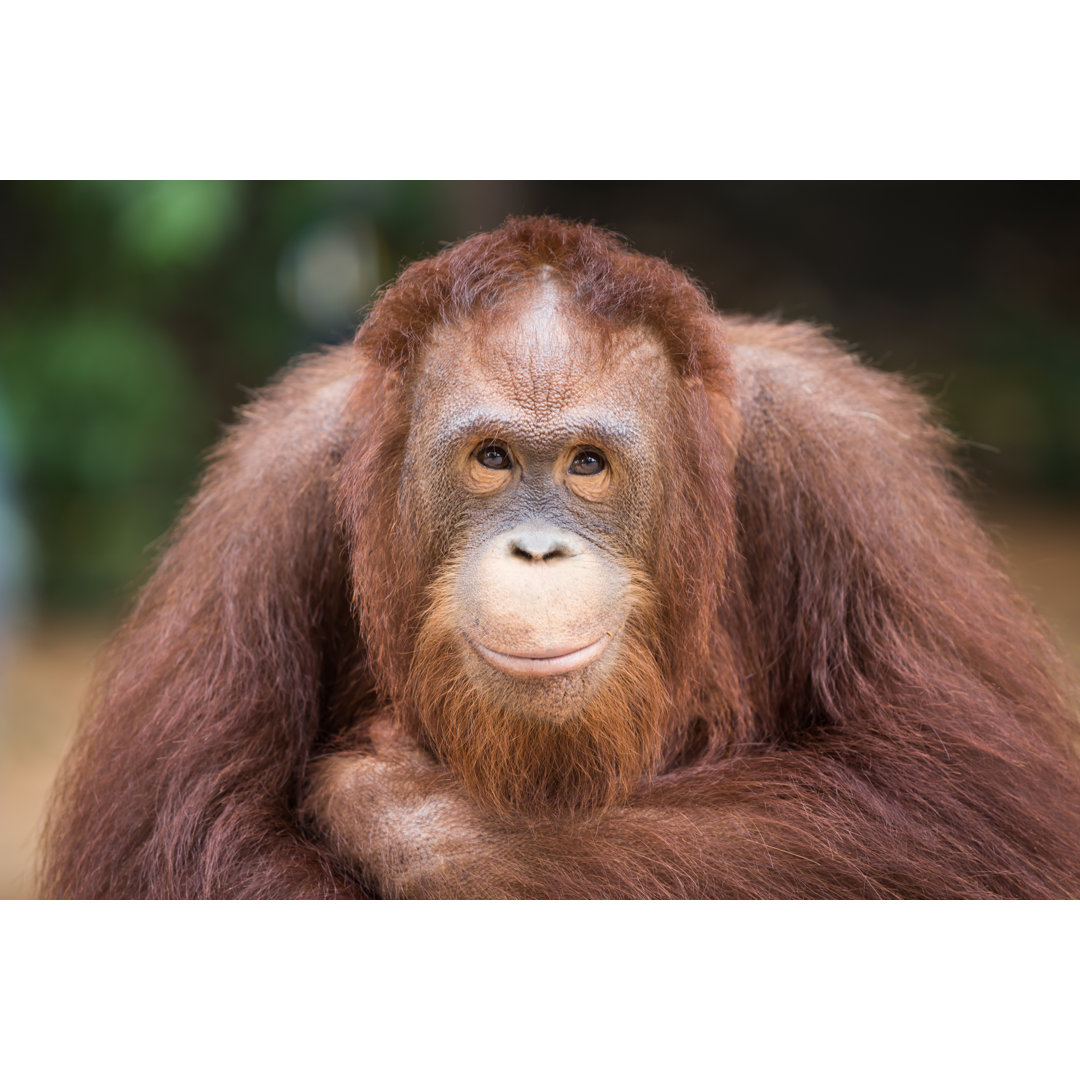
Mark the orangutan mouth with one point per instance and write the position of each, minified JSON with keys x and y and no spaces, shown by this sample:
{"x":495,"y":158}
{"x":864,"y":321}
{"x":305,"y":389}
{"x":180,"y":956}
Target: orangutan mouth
{"x":553,"y":661}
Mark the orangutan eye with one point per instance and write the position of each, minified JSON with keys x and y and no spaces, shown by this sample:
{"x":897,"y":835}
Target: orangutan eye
{"x":588,"y":463}
{"x":493,"y":455}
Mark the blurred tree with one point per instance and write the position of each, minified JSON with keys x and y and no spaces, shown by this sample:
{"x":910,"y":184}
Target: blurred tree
{"x":132,"y":317}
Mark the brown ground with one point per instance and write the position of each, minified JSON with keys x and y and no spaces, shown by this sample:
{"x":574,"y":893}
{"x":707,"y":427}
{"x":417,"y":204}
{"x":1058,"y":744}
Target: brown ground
{"x":50,"y":664}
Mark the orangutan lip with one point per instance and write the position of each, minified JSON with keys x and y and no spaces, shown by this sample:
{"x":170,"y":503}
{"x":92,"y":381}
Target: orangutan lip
{"x":533,"y":666}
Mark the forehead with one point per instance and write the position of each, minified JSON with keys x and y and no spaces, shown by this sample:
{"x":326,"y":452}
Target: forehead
{"x":539,"y":364}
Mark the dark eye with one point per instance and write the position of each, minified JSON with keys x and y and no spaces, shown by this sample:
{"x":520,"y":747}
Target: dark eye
{"x":588,"y":463}
{"x":493,"y":455}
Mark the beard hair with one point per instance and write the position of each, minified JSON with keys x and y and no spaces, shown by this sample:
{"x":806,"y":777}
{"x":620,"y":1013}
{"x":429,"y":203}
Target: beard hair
{"x":534,"y":764}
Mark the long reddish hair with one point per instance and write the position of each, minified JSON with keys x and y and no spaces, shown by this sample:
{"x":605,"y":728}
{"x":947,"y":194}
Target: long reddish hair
{"x":848,"y":682}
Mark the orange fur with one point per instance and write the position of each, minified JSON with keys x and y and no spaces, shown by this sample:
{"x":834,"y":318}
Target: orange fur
{"x":516,"y":765}
{"x":830,"y":688}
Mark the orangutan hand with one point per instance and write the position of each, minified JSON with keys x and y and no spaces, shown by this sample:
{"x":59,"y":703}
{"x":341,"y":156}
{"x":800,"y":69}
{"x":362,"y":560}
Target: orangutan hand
{"x":401,"y":819}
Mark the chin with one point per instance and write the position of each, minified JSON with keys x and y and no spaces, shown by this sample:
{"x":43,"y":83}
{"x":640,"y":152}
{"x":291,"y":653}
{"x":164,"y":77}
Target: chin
{"x":570,"y":742}
{"x":557,"y":688}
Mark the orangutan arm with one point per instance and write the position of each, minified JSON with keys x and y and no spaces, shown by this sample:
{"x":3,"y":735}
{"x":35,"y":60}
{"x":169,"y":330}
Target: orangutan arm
{"x":782,"y":826}
{"x":182,"y":780}
{"x":402,"y":822}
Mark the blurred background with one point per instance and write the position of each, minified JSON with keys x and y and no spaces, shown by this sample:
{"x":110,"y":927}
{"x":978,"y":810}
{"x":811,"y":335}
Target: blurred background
{"x":135,"y":317}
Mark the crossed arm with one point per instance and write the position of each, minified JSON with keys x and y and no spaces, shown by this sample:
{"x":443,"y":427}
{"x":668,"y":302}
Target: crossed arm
{"x":746,"y":829}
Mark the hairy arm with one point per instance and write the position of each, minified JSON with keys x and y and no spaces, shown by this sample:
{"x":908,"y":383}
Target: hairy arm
{"x":403,"y":824}
{"x":185,"y":773}
{"x":790,"y":824}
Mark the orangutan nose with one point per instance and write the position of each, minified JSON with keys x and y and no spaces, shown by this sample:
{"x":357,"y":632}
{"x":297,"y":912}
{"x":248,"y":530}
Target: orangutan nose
{"x":542,"y":545}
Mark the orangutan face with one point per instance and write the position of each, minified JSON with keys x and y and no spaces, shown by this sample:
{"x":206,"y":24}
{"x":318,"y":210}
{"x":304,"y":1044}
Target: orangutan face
{"x":536,"y":447}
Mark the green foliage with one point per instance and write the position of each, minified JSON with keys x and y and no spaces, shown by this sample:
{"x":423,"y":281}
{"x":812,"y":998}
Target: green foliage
{"x":176,"y":223}
{"x":132,"y":317}
{"x":106,"y":429}
{"x":99,"y":399}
